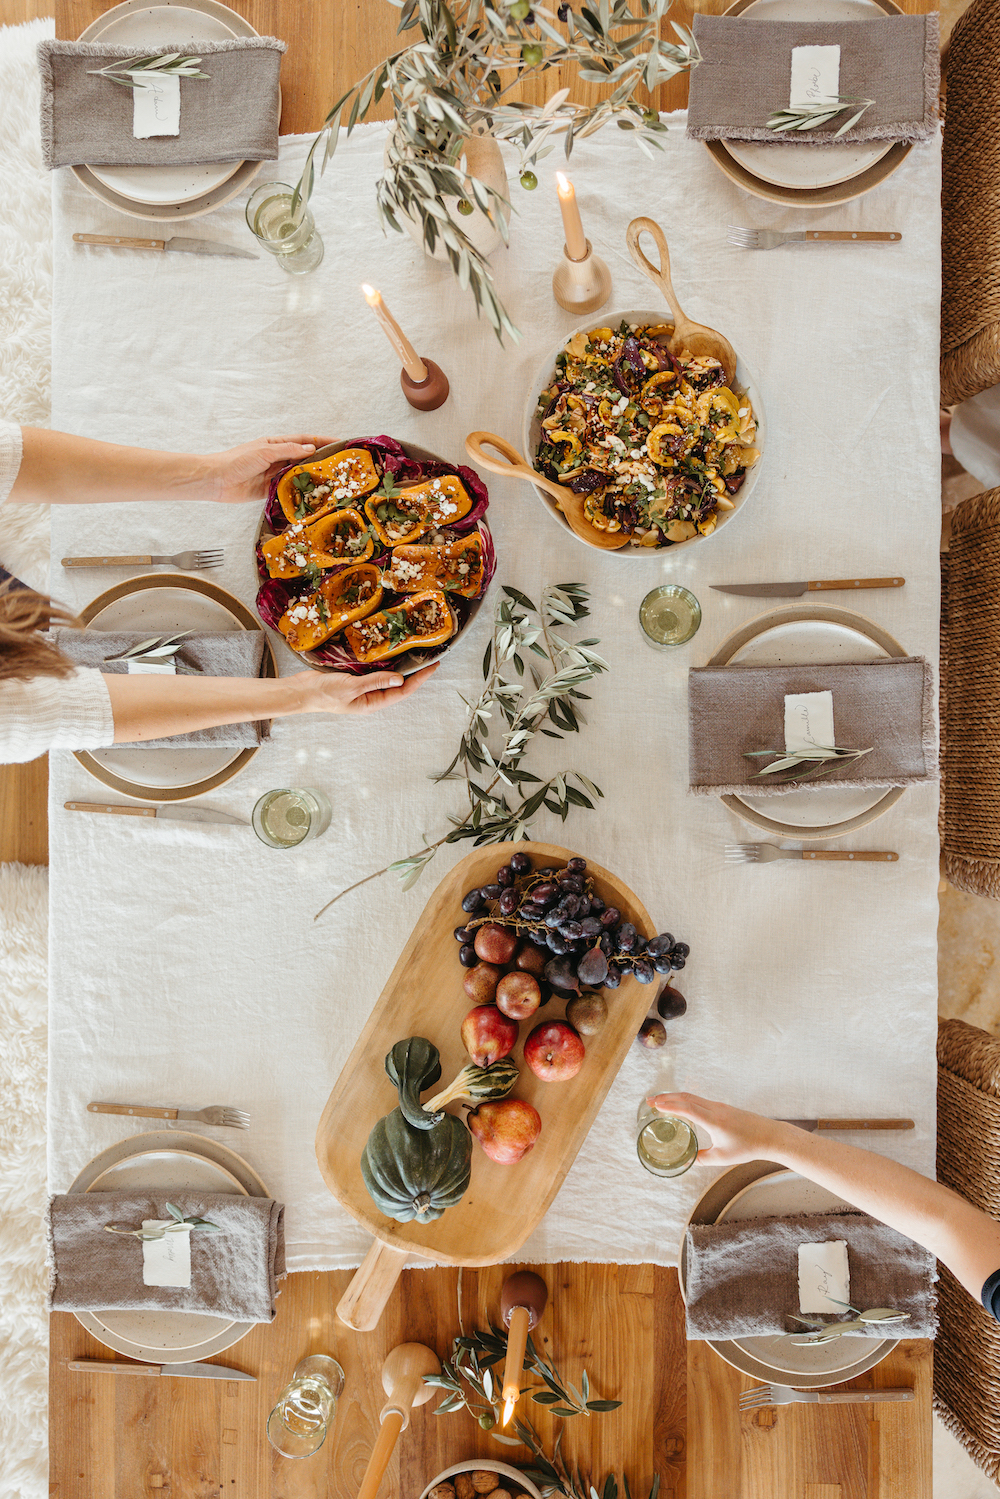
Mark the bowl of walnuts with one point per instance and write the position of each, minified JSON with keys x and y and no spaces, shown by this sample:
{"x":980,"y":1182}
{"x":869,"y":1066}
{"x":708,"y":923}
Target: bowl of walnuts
{"x":481,"y":1478}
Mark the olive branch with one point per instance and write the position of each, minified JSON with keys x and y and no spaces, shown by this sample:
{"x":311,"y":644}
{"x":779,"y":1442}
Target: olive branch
{"x":504,"y":797}
{"x":179,"y":1225}
{"x":814,"y":116}
{"x":824,"y":760}
{"x":169,"y":64}
{"x":470,"y":1369}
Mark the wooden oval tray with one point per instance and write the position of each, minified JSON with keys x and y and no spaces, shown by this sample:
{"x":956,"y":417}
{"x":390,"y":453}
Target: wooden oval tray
{"x":424,"y":997}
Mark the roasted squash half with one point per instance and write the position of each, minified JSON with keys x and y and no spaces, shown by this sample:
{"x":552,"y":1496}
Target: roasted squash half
{"x":341,"y":536}
{"x":423,"y":620}
{"x":338,"y":601}
{"x":445,"y":499}
{"x":309,"y":490}
{"x":456,"y":567}
{"x":399,"y":519}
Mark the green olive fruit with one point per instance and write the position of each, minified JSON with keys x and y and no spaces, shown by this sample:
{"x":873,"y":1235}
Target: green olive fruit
{"x":529,"y":181}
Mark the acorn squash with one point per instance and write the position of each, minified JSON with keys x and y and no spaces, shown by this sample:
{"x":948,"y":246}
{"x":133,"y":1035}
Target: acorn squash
{"x":417,"y":1173}
{"x":413,"y":1065}
{"x":341,"y":536}
{"x":339,"y":600}
{"x":310,"y":490}
{"x":420,"y":621}
{"x":456,"y":567}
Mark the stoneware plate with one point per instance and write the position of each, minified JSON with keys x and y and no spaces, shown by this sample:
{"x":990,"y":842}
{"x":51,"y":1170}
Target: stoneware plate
{"x":162,"y":603}
{"x":167,"y":1160}
{"x":808,"y":176}
{"x":531,"y":431}
{"x":709,"y":1209}
{"x":800,"y":636}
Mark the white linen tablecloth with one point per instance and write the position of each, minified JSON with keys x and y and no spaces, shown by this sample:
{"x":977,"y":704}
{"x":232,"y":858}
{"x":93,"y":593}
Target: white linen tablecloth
{"x":185,"y":964}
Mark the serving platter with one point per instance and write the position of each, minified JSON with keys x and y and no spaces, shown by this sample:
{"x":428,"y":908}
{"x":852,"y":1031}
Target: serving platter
{"x":424,"y":997}
{"x":801,"y":636}
{"x":167,"y":1160}
{"x":162,"y":602}
{"x":531,"y":428}
{"x":760,"y":1189}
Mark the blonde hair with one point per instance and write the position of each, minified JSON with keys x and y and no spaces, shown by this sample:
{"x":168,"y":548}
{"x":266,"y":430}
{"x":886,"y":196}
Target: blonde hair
{"x":24,"y":651}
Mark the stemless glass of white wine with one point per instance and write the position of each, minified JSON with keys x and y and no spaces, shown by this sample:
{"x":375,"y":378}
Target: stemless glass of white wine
{"x":666,"y":1145}
{"x":300,"y":1420}
{"x":289,"y":235}
{"x":284,"y":818}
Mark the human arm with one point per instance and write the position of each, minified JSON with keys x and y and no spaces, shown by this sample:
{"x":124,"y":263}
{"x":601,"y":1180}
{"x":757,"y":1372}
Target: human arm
{"x":61,"y":469}
{"x":964,"y":1238}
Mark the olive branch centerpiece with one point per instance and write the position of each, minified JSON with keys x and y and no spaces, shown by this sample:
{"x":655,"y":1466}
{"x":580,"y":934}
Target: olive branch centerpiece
{"x":823,"y":758}
{"x":815,"y":116}
{"x":167,"y":64}
{"x":503,"y":796}
{"x":179,"y":1225}
{"x":469,"y":1379}
{"x":455,"y":82}
{"x":552,"y":1476}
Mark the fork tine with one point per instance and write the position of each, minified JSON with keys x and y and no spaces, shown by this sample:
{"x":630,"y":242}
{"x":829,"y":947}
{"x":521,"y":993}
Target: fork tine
{"x":742,"y":853}
{"x":209,"y":559}
{"x":236,"y":1118}
{"x":752,"y":1400}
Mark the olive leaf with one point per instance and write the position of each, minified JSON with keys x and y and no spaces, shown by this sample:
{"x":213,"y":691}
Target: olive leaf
{"x":815,"y":116}
{"x":171,"y":64}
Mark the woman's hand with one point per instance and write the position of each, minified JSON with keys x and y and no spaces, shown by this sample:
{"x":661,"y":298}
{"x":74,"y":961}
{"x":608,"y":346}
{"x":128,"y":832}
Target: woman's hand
{"x":340,"y":693}
{"x":244,"y":473}
{"x":736,"y":1135}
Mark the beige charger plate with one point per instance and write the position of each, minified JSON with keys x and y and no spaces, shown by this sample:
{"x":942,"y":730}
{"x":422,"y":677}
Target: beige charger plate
{"x":854,"y":185}
{"x":213,"y":767}
{"x":167,"y":1337}
{"x":730,"y":649}
{"x":712,"y":1207}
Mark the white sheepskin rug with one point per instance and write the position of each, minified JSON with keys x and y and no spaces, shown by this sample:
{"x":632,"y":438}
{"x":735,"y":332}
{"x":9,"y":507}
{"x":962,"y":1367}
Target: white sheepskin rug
{"x":25,"y":283}
{"x":24,"y":1001}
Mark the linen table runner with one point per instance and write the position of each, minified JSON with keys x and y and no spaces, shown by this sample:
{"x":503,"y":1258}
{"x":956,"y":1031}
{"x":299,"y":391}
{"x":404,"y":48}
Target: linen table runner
{"x":744,"y":74}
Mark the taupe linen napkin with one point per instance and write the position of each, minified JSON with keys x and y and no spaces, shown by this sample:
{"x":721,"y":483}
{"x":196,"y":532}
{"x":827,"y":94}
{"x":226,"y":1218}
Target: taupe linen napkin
{"x":743,"y":1278}
{"x":230,"y":116}
{"x":745,"y":72}
{"x":885,"y":705}
{"x":226,"y":653}
{"x":233,"y":1273}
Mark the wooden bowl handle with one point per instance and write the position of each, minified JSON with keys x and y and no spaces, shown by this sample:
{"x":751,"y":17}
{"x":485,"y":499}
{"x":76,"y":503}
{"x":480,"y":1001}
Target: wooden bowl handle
{"x":363,"y":1303}
{"x":514,"y":465}
{"x":658,"y":274}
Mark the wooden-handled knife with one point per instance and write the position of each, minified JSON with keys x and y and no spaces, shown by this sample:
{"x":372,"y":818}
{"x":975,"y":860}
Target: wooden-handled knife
{"x":847,"y":1125}
{"x":796,"y":590}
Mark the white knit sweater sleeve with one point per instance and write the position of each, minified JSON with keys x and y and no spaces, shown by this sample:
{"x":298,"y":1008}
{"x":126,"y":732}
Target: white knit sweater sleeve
{"x":54,"y":713}
{"x":10,"y":457}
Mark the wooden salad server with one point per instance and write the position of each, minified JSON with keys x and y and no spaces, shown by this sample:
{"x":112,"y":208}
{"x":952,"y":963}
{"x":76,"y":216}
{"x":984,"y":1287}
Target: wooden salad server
{"x":569,"y":503}
{"x":403,"y":1381}
{"x":686,"y":335}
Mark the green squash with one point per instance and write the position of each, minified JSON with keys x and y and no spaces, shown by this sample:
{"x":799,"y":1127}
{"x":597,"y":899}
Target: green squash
{"x":417,"y":1173}
{"x":413,"y":1065}
{"x":481,"y":1083}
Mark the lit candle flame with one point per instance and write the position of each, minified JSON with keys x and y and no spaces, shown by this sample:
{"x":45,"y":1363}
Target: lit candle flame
{"x":371,"y":295}
{"x":563,"y":181}
{"x":508,"y":1409}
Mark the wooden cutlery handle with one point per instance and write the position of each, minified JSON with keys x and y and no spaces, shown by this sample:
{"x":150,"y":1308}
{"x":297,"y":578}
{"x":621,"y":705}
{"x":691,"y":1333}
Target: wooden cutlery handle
{"x":843,"y":583}
{"x":119,"y":811}
{"x":143,"y":1110}
{"x":862,"y":1397}
{"x":881,"y":234}
{"x":862,"y":856}
{"x":119,"y":239}
{"x":107,"y":562}
{"x":849,"y":1125}
{"x":110,"y":1366}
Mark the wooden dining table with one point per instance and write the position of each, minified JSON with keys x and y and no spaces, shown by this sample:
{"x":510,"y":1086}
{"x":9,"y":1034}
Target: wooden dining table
{"x":112,"y":1437}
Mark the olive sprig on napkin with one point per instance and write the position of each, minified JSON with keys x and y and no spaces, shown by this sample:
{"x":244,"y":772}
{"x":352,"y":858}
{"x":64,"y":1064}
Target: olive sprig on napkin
{"x":179,"y":1225}
{"x":173,"y":63}
{"x":814,"y":116}
{"x":826,"y":758}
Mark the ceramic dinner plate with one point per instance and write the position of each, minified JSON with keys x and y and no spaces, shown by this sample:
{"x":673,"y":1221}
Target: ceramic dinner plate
{"x":159,"y":603}
{"x":799,"y":637}
{"x":735,"y":1194}
{"x":167,"y":1161}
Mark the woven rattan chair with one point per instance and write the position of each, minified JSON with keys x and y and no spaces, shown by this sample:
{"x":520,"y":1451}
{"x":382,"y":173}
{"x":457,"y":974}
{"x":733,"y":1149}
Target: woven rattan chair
{"x":967,"y":1348}
{"x":970,"y":697}
{"x":970,"y":201}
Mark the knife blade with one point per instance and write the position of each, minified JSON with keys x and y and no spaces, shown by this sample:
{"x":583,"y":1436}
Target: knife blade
{"x":175,"y":1371}
{"x":849,"y":1124}
{"x":176,"y":242}
{"x":796,"y":590}
{"x":180,"y":813}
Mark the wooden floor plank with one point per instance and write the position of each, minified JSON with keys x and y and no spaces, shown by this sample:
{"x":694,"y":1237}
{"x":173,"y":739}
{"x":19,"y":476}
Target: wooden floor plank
{"x":24,"y":823}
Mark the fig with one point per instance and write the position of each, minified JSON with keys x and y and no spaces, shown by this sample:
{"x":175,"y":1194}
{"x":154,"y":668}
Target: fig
{"x":587,"y":1013}
{"x":531,"y":960}
{"x":480,"y":983}
{"x":652,"y":1034}
{"x":671,"y":1003}
{"x":593,"y":966}
{"x":495,"y":944}
{"x":561,"y":975}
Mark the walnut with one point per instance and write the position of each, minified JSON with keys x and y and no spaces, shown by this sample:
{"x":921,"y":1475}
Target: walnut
{"x":485,"y":1482}
{"x":463,"y":1486}
{"x":442,"y":1491}
{"x":501,"y":1494}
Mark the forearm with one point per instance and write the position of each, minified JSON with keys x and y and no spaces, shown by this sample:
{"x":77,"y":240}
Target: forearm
{"x":58,"y":468}
{"x":154,"y":707}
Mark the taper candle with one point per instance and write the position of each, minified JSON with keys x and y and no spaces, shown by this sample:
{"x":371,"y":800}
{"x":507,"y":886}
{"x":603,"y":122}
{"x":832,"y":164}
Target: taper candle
{"x":410,"y":360}
{"x":576,"y":240}
{"x":522,"y":1301}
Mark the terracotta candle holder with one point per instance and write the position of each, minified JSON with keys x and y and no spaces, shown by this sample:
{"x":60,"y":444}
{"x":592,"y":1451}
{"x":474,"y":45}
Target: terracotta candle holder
{"x":522,"y":1302}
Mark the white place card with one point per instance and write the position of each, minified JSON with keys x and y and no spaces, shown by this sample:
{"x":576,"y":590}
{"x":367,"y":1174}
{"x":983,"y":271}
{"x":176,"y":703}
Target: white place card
{"x":808,"y":721}
{"x":824,"y":1277}
{"x":156,"y":104}
{"x":151,"y":668}
{"x":166,"y":1261}
{"x":815,"y":76}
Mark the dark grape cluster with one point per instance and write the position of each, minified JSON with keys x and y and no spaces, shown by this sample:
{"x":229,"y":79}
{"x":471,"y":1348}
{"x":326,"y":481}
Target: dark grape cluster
{"x":558,"y":909}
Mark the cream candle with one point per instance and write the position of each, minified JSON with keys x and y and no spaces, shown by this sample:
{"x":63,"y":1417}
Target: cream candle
{"x":410,"y":360}
{"x":576,"y":240}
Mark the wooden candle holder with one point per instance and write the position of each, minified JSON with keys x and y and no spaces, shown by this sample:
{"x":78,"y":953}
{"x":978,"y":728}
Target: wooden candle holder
{"x":403,"y":1381}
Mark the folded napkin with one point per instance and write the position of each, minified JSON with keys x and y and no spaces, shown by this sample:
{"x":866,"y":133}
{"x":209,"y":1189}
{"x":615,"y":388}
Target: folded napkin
{"x":745,"y":72}
{"x":743,"y":1278}
{"x":233,"y":1273}
{"x":230,"y":116}
{"x":226,"y":653}
{"x":887,"y":706}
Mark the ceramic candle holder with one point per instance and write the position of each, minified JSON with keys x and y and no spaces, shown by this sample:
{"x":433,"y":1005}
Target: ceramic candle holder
{"x":429,"y":394}
{"x":581,"y":286}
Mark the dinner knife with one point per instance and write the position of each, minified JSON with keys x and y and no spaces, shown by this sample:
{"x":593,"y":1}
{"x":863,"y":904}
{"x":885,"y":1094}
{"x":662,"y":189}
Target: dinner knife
{"x":182,"y":814}
{"x":796,"y":590}
{"x":176,"y":1371}
{"x":176,"y":242}
{"x":849,"y":1397}
{"x":849,"y":1124}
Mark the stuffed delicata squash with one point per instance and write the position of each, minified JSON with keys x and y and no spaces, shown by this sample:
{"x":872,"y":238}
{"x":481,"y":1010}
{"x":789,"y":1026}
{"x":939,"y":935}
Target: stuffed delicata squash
{"x":341,"y":536}
{"x":456,"y":567}
{"x":310,"y":490}
{"x":421,"y":621}
{"x":340,"y":600}
{"x":420,"y":508}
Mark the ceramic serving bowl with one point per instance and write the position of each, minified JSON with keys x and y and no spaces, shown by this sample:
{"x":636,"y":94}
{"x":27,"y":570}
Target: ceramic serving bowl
{"x":532,"y":428}
{"x":487,"y":1465}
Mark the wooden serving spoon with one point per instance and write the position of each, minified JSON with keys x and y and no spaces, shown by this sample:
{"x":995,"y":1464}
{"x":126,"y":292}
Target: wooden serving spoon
{"x":569,"y":503}
{"x":686,"y":334}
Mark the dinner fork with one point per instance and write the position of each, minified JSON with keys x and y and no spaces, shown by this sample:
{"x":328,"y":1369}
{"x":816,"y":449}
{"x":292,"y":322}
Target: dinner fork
{"x":186,"y":561}
{"x":765,"y":853}
{"x":770,"y":239}
{"x":215,"y":1114}
{"x":779,"y":1394}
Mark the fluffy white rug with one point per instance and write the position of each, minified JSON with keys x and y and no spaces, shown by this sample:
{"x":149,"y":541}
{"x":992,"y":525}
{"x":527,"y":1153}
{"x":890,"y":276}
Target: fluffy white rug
{"x":23,"y":1066}
{"x":25,"y":283}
